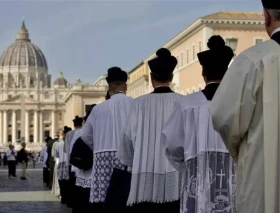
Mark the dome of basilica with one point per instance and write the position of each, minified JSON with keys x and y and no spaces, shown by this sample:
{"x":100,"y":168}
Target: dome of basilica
{"x":23,"y":53}
{"x":60,"y":81}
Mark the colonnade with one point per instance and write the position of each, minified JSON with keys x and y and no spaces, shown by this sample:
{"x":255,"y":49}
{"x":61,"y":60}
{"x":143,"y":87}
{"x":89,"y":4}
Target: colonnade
{"x":38,"y":126}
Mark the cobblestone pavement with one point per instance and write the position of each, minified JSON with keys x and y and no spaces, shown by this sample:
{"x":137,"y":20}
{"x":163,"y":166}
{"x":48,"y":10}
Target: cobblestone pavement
{"x":30,"y":196}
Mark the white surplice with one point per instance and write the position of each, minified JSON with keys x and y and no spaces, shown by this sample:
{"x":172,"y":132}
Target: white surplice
{"x":67,"y":145}
{"x":62,"y":168}
{"x":83,"y":178}
{"x":76,"y":135}
{"x":245,"y":113}
{"x":102,"y":133}
{"x":44,"y":156}
{"x":194,"y":146}
{"x":153,"y":178}
{"x":55,"y":186}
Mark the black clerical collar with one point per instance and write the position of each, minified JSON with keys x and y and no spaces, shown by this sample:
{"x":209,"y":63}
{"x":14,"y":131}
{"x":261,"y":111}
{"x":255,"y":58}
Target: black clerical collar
{"x":162,"y":89}
{"x":276,"y":37}
{"x":210,"y":90}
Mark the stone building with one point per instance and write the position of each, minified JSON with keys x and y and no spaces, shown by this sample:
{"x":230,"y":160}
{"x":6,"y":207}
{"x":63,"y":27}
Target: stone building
{"x":240,"y":30}
{"x":31,"y":107}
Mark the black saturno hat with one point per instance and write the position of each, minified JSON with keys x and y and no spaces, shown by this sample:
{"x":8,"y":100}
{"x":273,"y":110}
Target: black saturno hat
{"x":271,"y":4}
{"x":164,"y":64}
{"x":116,"y":74}
{"x":218,"y":56}
{"x":78,"y":120}
{"x":66,"y":129}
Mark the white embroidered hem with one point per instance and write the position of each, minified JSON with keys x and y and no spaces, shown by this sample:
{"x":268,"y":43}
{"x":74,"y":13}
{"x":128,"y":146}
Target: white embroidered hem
{"x":154,"y":188}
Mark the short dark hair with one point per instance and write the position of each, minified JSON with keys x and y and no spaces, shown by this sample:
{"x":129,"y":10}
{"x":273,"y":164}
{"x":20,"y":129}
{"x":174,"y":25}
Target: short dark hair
{"x":217,"y":74}
{"x":162,"y":78}
{"x":274,"y":13}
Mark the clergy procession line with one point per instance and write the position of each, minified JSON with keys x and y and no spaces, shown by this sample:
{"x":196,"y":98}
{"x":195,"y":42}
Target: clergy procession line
{"x":168,"y":152}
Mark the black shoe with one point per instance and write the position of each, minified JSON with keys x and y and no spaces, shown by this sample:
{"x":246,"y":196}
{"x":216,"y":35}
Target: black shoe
{"x":23,"y":178}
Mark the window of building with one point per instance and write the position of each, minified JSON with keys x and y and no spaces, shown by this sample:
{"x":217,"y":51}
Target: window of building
{"x":31,"y":96}
{"x":200,"y":46}
{"x":47,"y":126}
{"x":193,"y":52}
{"x":46,"y":116}
{"x":31,"y":139}
{"x":87,"y":108}
{"x":187,"y":55}
{"x":18,"y":134}
{"x":182,"y":59}
{"x":259,"y":40}
{"x":46,"y":96}
{"x":232,"y":42}
{"x":9,"y":96}
{"x":47,"y":133}
{"x":61,"y":96}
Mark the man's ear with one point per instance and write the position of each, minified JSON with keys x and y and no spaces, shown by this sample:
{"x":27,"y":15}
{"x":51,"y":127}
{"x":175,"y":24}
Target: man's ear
{"x":267,"y":18}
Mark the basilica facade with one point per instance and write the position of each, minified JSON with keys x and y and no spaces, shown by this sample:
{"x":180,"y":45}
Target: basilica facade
{"x":31,"y":105}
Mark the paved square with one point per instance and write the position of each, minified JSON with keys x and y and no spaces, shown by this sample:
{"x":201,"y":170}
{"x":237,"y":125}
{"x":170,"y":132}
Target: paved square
{"x":30,"y":196}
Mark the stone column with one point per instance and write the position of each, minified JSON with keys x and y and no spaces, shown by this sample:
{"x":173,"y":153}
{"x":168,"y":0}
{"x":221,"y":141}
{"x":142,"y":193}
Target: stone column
{"x":53,"y":123}
{"x":41,"y":131}
{"x":27,"y":124}
{"x":14,"y":126}
{"x":1,"y":127}
{"x":36,"y":126}
{"x":5,"y":127}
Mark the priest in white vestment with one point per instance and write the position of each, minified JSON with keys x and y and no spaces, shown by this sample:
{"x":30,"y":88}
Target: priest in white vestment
{"x":55,"y":185}
{"x":245,"y":112}
{"x":62,"y":168}
{"x":78,"y":123}
{"x":155,"y":184}
{"x":102,"y":133}
{"x":83,"y":177}
{"x":43,"y":159}
{"x":192,"y":143}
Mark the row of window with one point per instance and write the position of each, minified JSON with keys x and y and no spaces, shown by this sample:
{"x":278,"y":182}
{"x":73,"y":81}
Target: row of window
{"x":46,"y":96}
{"x":185,"y":59}
{"x":31,"y":137}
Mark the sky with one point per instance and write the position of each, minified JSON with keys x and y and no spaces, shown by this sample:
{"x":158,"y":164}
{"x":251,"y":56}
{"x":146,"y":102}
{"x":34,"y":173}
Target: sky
{"x":84,"y":38}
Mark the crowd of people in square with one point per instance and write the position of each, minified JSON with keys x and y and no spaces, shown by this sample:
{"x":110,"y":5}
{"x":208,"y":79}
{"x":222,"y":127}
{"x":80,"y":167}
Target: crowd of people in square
{"x":12,"y":158}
